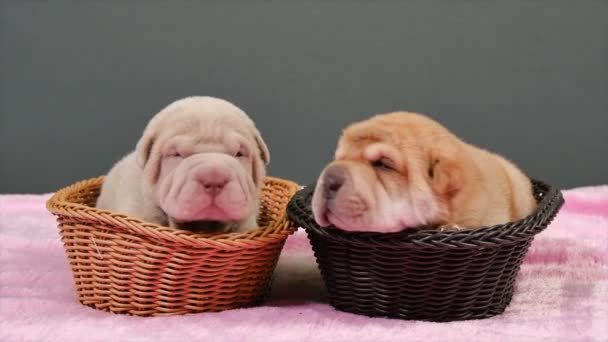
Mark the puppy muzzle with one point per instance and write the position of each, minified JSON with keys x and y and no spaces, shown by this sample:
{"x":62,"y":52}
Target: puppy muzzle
{"x":209,"y":187}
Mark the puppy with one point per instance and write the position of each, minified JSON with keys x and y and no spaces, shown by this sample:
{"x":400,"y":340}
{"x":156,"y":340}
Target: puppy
{"x":199,"y":166}
{"x":402,"y":170}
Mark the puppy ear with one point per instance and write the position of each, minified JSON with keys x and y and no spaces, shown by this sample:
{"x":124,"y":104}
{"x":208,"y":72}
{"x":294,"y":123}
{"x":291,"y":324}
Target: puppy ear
{"x":447,"y":176}
{"x":145,"y":157}
{"x":259,"y":168}
{"x":144,"y":148}
{"x":264,"y":153}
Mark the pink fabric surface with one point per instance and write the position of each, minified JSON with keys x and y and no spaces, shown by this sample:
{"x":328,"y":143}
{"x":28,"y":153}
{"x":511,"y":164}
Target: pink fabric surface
{"x":561,"y":292}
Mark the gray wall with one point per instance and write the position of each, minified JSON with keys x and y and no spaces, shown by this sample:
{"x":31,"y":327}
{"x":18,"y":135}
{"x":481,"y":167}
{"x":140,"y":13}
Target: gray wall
{"x":79,"y":79}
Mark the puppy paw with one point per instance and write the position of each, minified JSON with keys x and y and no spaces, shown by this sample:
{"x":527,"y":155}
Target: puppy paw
{"x":449,"y":226}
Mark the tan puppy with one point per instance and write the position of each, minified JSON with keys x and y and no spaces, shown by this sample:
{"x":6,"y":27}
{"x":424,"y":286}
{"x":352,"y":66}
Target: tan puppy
{"x":401,"y":170}
{"x":199,"y":166}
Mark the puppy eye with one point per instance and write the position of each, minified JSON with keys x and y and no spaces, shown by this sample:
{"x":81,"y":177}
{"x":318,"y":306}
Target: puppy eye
{"x":432,"y":168}
{"x":174,"y":154}
{"x":239,"y":154}
{"x":381,"y":164}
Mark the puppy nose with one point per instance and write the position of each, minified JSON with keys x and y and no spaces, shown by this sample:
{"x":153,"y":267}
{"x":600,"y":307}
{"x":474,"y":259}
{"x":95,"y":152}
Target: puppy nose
{"x":214,"y":185}
{"x":333,"y":180}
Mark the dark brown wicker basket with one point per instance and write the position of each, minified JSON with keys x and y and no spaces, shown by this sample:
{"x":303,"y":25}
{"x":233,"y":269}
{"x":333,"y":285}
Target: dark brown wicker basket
{"x":424,"y":274}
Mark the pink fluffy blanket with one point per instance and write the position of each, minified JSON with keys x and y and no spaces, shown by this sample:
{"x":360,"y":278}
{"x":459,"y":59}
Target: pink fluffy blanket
{"x":561,"y":292}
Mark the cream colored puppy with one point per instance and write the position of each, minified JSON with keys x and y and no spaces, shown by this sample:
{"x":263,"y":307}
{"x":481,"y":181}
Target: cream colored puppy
{"x":199,"y":166}
{"x":401,"y":170}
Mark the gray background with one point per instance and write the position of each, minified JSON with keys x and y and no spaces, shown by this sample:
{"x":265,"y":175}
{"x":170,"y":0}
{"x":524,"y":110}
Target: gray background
{"x":79,"y":79}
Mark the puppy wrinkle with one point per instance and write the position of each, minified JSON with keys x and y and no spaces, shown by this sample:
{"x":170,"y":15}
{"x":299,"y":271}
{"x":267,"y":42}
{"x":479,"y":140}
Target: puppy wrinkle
{"x":243,"y":183}
{"x":180,"y":179}
{"x":367,"y":134}
{"x":163,"y":189}
{"x":359,"y":183}
{"x":424,"y":207}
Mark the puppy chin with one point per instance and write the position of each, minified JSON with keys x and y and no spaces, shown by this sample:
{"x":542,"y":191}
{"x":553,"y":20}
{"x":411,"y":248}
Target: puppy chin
{"x":359,"y":219}
{"x":355,"y":226}
{"x":210,"y":213}
{"x":338,"y":222}
{"x":330,"y":213}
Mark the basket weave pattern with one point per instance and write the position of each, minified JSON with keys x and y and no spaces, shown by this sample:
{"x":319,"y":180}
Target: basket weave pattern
{"x":124,"y":265}
{"x":424,"y":274}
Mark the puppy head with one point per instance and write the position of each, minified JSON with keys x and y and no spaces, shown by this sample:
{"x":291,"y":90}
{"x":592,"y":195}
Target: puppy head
{"x":390,"y":172}
{"x":204,"y":163}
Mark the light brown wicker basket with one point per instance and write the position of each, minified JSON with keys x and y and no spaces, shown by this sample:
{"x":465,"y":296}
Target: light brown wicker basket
{"x":124,"y":265}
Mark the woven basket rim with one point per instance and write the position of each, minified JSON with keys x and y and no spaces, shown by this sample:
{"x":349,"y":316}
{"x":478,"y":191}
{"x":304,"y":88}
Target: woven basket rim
{"x":277,"y":230}
{"x":549,"y":204}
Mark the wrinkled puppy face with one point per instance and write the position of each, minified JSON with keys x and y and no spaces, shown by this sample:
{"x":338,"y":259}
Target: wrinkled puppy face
{"x":391,"y":172}
{"x":204,"y":163}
